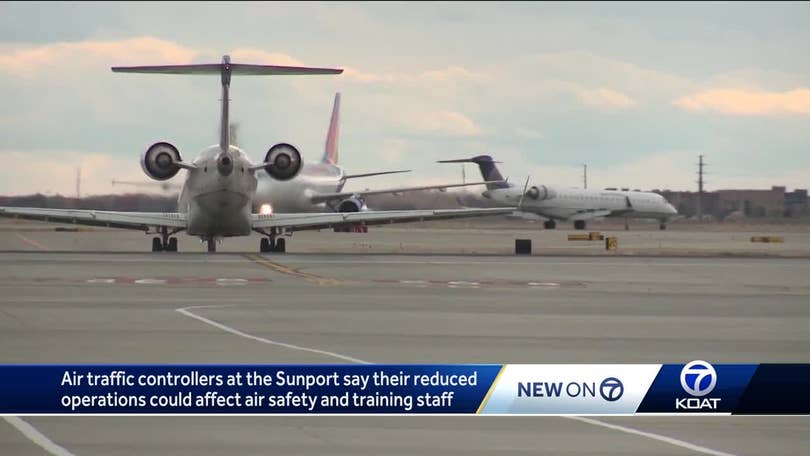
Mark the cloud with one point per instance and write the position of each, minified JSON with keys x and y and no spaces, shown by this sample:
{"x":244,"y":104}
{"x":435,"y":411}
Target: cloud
{"x":591,"y":77}
{"x":449,"y":123}
{"x":63,"y":56}
{"x":446,"y":75}
{"x":748,"y":102}
{"x":528,"y":133}
{"x":605,"y":98}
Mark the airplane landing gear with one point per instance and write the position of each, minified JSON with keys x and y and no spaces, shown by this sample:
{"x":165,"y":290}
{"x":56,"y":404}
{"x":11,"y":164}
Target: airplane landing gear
{"x":662,"y":226}
{"x":549,"y":224}
{"x":267,"y":245}
{"x":272,"y":243}
{"x":356,"y":228}
{"x":579,"y":224}
{"x":164,"y":243}
{"x":212,"y":245}
{"x":264,"y":245}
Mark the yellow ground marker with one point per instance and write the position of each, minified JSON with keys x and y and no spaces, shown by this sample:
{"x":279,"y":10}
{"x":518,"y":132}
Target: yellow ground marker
{"x":777,"y":239}
{"x":31,"y":242}
{"x":258,"y":259}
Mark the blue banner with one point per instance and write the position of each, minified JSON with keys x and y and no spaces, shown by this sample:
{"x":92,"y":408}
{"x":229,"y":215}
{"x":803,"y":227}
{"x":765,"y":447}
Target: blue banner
{"x":527,"y":389}
{"x":696,"y":388}
{"x":244,"y":389}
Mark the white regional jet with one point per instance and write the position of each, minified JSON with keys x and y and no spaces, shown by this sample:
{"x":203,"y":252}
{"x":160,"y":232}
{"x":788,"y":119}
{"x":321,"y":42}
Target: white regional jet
{"x":217,"y":196}
{"x":319,"y":185}
{"x":571,"y":204}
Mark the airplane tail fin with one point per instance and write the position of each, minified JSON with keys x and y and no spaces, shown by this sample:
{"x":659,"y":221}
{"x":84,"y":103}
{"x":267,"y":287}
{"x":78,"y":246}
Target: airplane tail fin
{"x":225,"y":69}
{"x":330,"y":152}
{"x":488,"y":170}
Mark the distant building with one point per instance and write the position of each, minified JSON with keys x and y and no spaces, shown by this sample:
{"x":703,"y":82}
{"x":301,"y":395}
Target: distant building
{"x":796,"y":203}
{"x":720,"y":204}
{"x":752,"y":203}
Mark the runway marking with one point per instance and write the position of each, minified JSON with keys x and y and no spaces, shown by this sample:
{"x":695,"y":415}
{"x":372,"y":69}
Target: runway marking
{"x":615,"y":427}
{"x":550,"y":261}
{"x":150,"y":281}
{"x":31,"y":242}
{"x":650,"y":435}
{"x":172,"y":281}
{"x":193,"y":258}
{"x":100,"y":281}
{"x":543,"y":284}
{"x":226,"y":282}
{"x":278,"y":267}
{"x":185,"y":311}
{"x":481,"y":284}
{"x":37,"y":437}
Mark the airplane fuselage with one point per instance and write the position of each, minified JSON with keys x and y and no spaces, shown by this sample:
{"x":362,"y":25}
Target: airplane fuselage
{"x":218,"y":199}
{"x":566,"y":203}
{"x":295,"y":194}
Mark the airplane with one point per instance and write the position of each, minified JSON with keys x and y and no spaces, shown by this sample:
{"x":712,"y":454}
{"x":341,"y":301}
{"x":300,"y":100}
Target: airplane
{"x":571,"y":204}
{"x":318,"y":187}
{"x":217,"y":195}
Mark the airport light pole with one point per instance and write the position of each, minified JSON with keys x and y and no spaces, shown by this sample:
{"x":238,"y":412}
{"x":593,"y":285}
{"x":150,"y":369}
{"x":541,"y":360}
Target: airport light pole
{"x":585,"y":175}
{"x":700,"y":183}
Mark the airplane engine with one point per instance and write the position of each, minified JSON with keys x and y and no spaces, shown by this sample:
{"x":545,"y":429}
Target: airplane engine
{"x":352,"y":205}
{"x":159,"y":161}
{"x":283,"y":161}
{"x":540,"y":193}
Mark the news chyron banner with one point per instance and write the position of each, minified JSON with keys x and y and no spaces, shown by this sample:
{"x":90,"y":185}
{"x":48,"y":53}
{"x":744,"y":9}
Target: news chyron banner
{"x":452,"y":389}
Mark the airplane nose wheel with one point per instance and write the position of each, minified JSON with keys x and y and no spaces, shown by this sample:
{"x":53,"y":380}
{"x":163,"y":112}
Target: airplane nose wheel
{"x":212,"y":245}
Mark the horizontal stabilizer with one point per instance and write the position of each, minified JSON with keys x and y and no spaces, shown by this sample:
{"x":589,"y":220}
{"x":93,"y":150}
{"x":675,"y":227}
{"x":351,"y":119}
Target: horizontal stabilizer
{"x":355,"y":176}
{"x":241,"y":69}
{"x":479,"y":159}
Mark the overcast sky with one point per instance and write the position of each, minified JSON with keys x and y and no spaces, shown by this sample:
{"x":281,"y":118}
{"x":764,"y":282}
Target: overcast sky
{"x":637,"y":91}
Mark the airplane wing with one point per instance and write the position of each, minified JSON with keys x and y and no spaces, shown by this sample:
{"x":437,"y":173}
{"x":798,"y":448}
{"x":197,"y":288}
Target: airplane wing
{"x":131,"y":220}
{"x":323,"y":197}
{"x":316,"y":221}
{"x":591,"y":214}
{"x":582,"y":214}
{"x":378,"y":173}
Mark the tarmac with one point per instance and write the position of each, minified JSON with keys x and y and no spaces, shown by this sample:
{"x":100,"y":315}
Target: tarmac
{"x":96,"y":297}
